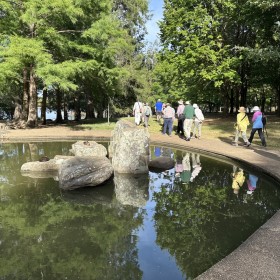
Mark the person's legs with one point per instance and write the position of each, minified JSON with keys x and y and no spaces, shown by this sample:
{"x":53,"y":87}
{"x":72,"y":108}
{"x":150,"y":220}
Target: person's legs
{"x":195,"y":128}
{"x":199,"y":129}
{"x":187,"y":128}
{"x":260,"y":132}
{"x":165,"y":123}
{"x":137,"y":118}
{"x":251,"y":136}
{"x":244,"y":136}
{"x":170,"y":126}
{"x":180,"y":126}
{"x":146,"y":119}
{"x":236,"y":136}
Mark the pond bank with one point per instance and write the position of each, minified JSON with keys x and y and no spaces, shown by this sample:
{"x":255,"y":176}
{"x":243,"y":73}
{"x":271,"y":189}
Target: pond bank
{"x":259,"y":256}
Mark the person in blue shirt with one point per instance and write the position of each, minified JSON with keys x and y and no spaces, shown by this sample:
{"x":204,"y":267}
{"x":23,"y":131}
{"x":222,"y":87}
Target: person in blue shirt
{"x":158,"y":109}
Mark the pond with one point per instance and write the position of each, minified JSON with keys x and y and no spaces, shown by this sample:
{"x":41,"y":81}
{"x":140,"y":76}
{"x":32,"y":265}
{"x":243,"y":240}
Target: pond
{"x":169,"y":225}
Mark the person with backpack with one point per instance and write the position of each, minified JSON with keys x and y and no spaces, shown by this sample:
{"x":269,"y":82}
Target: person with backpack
{"x":137,"y":111}
{"x":198,"y":120}
{"x":257,"y":126}
{"x":242,"y":122}
{"x":147,"y":112}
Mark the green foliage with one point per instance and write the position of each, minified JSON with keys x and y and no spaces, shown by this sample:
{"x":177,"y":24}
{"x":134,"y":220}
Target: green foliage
{"x":70,"y":44}
{"x":212,"y":49}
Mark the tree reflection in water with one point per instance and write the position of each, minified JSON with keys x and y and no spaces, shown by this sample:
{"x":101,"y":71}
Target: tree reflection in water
{"x":205,"y":217}
{"x":165,"y":225}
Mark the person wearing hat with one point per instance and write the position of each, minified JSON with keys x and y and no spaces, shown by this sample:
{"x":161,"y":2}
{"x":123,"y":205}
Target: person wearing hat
{"x":137,"y":111}
{"x":168,"y":117}
{"x":189,"y":114}
{"x":198,"y":120}
{"x":238,"y":179}
{"x":181,"y":117}
{"x":257,"y":126}
{"x":242,"y":122}
{"x":158,"y":109}
{"x":147,"y":112}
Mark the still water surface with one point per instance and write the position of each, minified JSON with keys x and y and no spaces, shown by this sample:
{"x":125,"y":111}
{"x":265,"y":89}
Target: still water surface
{"x":169,"y":225}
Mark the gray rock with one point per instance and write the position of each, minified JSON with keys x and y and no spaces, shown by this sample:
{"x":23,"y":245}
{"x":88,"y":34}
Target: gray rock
{"x":88,"y":148}
{"x":43,"y":169}
{"x":129,"y":148}
{"x":37,"y":166}
{"x":79,"y":172}
{"x":161,"y":163}
{"x":132,"y":189}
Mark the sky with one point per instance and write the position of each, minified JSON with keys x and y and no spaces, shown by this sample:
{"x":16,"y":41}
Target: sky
{"x":156,"y":8}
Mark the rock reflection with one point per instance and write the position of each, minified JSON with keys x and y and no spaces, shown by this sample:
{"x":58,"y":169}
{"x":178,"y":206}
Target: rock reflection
{"x":131,"y":189}
{"x":99,"y":194}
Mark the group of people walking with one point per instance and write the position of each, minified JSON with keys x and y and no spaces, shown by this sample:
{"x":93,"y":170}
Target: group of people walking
{"x":242,"y":122}
{"x":190,"y":119}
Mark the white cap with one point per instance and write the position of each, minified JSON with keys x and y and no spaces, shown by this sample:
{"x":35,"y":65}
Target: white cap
{"x":256,"y":108}
{"x":195,"y":105}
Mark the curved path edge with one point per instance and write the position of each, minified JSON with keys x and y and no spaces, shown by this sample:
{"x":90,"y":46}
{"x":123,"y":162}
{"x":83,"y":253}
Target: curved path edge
{"x":259,"y":256}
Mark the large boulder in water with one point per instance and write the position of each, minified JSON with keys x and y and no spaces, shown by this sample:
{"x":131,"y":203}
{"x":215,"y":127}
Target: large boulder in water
{"x":129,"y":148}
{"x":88,"y":148}
{"x":161,"y":164}
{"x":81,"y":172}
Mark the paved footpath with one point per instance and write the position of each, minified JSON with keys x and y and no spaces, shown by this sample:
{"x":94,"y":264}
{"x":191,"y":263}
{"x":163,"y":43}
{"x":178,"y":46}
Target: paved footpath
{"x":259,"y":256}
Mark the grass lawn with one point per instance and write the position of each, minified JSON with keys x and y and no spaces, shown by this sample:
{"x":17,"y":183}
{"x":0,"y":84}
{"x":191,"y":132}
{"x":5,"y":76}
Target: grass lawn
{"x":214,"y":126}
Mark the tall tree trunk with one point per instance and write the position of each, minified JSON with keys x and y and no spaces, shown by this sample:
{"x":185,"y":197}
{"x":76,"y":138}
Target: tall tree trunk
{"x":89,"y":109}
{"x":58,"y":106}
{"x":25,"y":97}
{"x":32,"y":112}
{"x":44,"y":106}
{"x":65,"y":108}
{"x":18,"y":111}
{"x":278,"y":100}
{"x":77,"y":109}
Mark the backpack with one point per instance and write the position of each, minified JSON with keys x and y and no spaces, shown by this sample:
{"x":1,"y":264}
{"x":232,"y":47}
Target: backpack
{"x":147,"y":111}
{"x":264,"y":120}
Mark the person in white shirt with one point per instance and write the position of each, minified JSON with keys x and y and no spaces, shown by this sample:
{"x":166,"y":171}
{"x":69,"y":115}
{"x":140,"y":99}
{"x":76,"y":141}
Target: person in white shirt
{"x":137,"y":111}
{"x":198,"y":120}
{"x":168,"y":117}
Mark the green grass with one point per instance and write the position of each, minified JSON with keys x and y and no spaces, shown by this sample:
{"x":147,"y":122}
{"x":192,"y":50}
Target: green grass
{"x":214,"y":126}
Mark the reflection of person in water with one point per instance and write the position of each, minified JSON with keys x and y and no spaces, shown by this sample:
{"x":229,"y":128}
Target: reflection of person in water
{"x":178,"y":165}
{"x":252,"y":183}
{"x":196,"y":166}
{"x":186,"y":173}
{"x":238,"y":179}
{"x":157,"y":151}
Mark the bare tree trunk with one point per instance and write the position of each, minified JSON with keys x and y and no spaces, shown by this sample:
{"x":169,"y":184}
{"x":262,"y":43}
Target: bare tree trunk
{"x":89,"y":110}
{"x":65,"y":109}
{"x":44,"y":106}
{"x":32,"y":112}
{"x":58,"y":106}
{"x":278,"y":100}
{"x":77,"y":109}
{"x":18,"y":111}
{"x":25,"y":99}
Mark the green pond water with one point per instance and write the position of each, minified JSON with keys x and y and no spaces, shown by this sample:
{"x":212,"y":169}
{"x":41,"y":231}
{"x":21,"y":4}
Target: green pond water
{"x":168,"y":225}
